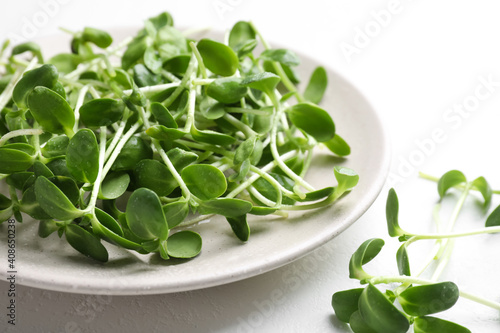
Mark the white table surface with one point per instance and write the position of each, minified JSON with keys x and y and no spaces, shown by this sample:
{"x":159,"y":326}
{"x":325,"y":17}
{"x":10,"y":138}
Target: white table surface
{"x":417,"y":68}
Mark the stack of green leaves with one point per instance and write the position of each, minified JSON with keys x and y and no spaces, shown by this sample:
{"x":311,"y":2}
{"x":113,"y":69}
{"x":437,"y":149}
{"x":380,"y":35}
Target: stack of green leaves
{"x":178,"y":127}
{"x":411,"y":299}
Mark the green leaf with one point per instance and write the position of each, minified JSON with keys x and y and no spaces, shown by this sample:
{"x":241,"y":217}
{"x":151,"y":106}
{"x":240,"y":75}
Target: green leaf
{"x":31,"y":206}
{"x":24,"y":147}
{"x":429,"y":299}
{"x":28,"y":47}
{"x":175,"y":213}
{"x":317,"y":195}
{"x":241,"y":33}
{"x":212,"y":137}
{"x":114,"y":185}
{"x":346,"y":178}
{"x":313,"y":120}
{"x":244,"y":150}
{"x":155,"y":176}
{"x":162,"y":20}
{"x":98,"y":37}
{"x":46,"y":228}
{"x":51,"y":111}
{"x":101,"y":112}
{"x":152,"y":60}
{"x":261,"y":210}
{"x":108,"y":221}
{"x":162,"y":115}
{"x":403,"y":261}
{"x":53,"y":201}
{"x":134,"y":151}
{"x":205,"y":181}
{"x":240,"y":227}
{"x":364,"y":254}
{"x":135,"y":51}
{"x":345,"y":303}
{"x":14,"y":160}
{"x":184,"y":244}
{"x":162,"y":133}
{"x":145,"y":216}
{"x":359,"y":325}
{"x":283,"y":56}
{"x":480,"y":184}
{"x":493,"y":219}
{"x":56,"y":146}
{"x":338,"y":146}
{"x":227,"y":90}
{"x":181,"y":158}
{"x":82,"y":156}
{"x":317,"y":86}
{"x":379,"y":313}
{"x":391,"y":214}
{"x":41,"y":169}
{"x":228,"y":207}
{"x":143,"y":77}
{"x":435,"y":325}
{"x":448,"y":180}
{"x":65,"y":62}
{"x":220,"y":59}
{"x":85,"y":243}
{"x":107,"y":227}
{"x":45,"y":76}
{"x":264,"y":81}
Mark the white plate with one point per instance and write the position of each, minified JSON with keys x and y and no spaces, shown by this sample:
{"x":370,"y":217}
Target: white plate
{"x":52,"y":264}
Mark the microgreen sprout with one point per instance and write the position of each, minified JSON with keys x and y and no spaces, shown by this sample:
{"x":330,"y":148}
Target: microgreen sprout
{"x":369,"y":309}
{"x":177,"y":127}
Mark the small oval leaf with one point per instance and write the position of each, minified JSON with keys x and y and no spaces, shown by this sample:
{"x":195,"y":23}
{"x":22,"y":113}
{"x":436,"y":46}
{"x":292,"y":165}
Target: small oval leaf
{"x":220,"y":59}
{"x":313,"y":120}
{"x":85,"y":243}
{"x":145,"y":216}
{"x":345,"y":303}
{"x":379,"y":313}
{"x":429,"y":299}
{"x":204,"y":181}
{"x":184,"y":244}
{"x":82,"y":156}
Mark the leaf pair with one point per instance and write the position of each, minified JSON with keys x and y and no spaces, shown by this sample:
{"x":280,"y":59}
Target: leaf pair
{"x":146,"y":219}
{"x":369,"y":310}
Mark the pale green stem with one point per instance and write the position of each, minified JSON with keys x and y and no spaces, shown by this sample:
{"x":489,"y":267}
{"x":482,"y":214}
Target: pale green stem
{"x":119,"y":147}
{"x":115,"y":140}
{"x":263,"y":199}
{"x":100,"y":177}
{"x":153,"y":89}
{"x":274,"y":151}
{"x":20,"y":132}
{"x":202,"y":82}
{"x":79,"y":103}
{"x":7,"y":92}
{"x":239,"y":125}
{"x":444,"y":260}
{"x":110,"y":51}
{"x":278,"y":68}
{"x":169,"y":76}
{"x":245,"y":110}
{"x":251,"y":179}
{"x":187,"y":76}
{"x":191,"y":109}
{"x":166,"y":160}
{"x":201,"y":65}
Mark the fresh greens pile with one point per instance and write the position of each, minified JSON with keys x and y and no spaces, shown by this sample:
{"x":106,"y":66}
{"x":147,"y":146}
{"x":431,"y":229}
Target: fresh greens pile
{"x":369,"y":309}
{"x":179,"y":127}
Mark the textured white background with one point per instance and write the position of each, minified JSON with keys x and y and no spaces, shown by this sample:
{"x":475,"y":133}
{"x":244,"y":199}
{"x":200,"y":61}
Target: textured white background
{"x":427,"y":58}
